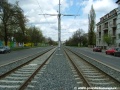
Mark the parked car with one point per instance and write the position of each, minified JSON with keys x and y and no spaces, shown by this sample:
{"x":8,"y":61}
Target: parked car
{"x":5,"y":49}
{"x":117,"y":53}
{"x":111,"y":50}
{"x":97,"y":49}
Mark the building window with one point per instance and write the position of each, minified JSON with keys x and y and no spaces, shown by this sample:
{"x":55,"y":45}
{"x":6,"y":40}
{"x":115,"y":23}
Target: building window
{"x":106,"y":25}
{"x":114,"y":21}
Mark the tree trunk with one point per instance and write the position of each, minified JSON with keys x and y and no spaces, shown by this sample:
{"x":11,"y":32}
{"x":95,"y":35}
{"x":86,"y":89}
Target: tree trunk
{"x":5,"y":37}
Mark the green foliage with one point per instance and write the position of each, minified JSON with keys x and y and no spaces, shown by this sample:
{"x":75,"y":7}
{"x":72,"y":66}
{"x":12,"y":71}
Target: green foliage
{"x":50,"y":41}
{"x":91,"y":27}
{"x":79,"y":38}
{"x":13,"y":25}
{"x":12,"y":20}
{"x":108,"y":39}
{"x":33,"y":35}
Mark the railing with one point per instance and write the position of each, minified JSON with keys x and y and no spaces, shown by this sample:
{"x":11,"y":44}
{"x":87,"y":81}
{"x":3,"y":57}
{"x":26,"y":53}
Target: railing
{"x":114,"y":25}
{"x":105,"y":27}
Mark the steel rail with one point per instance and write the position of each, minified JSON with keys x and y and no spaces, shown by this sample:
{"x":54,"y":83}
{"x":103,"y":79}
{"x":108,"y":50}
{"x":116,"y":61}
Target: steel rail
{"x":9,"y":72}
{"x":112,"y":78}
{"x":24,"y":85}
{"x":78,"y":71}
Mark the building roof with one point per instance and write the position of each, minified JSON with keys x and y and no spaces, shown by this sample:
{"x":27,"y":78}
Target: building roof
{"x":117,"y":1}
{"x":109,"y":15}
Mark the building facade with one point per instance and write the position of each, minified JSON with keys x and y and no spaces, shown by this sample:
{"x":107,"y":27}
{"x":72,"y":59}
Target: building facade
{"x":109,"y":25}
{"x":118,"y":24}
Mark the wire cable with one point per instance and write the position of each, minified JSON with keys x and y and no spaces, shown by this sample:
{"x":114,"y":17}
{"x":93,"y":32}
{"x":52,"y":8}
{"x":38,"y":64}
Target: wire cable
{"x":74,"y":18}
{"x":42,"y":11}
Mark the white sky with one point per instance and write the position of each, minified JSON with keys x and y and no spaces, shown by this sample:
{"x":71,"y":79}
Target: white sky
{"x":49,"y":24}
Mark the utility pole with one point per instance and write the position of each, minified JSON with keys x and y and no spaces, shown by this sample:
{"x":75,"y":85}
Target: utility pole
{"x":59,"y":23}
{"x":59,"y":27}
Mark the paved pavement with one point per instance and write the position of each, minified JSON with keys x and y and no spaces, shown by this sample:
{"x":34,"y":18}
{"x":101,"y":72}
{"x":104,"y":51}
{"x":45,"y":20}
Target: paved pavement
{"x":15,"y":55}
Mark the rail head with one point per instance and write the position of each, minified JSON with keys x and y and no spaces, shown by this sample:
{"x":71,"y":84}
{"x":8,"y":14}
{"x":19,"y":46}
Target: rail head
{"x":101,"y":66}
{"x":10,"y":70}
{"x":78,"y":71}
{"x":24,"y":85}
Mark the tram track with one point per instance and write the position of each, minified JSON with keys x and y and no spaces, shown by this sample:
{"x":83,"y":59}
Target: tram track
{"x":19,"y":77}
{"x":90,"y":75}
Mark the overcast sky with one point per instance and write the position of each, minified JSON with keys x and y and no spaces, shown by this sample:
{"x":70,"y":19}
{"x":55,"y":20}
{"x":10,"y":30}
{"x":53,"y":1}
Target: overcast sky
{"x":49,"y":24}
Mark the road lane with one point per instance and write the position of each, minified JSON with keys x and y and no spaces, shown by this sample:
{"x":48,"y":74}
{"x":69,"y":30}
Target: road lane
{"x":15,"y":55}
{"x":100,"y":56}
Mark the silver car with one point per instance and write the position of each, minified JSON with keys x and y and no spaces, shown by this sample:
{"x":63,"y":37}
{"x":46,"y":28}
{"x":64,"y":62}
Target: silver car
{"x":4,"y":49}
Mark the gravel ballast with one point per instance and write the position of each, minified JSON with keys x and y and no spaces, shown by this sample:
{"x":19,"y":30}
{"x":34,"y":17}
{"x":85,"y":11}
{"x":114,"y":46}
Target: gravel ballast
{"x":113,"y":73}
{"x":57,"y":75}
{"x":8,"y":67}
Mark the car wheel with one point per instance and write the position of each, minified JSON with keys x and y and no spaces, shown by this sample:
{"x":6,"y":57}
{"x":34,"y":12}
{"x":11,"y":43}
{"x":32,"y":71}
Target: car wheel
{"x":114,"y":54}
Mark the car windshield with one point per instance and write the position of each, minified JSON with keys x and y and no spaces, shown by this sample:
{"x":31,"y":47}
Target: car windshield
{"x":116,"y":49}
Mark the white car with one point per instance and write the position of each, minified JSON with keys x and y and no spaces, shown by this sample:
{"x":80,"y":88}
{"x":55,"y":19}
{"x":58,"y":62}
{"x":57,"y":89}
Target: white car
{"x":4,"y":49}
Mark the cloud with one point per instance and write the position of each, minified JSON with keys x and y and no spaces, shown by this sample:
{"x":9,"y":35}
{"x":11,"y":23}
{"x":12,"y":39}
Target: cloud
{"x":49,"y":24}
{"x":99,"y":5}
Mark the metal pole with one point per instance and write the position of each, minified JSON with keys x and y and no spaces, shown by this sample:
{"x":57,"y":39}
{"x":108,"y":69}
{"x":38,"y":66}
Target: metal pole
{"x":59,"y":24}
{"x":59,"y":27}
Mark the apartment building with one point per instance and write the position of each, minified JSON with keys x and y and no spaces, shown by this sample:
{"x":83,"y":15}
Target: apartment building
{"x":109,"y":24}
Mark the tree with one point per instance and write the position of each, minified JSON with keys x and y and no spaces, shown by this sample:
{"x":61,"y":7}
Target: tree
{"x":108,"y":39}
{"x":34,"y":35}
{"x":1,"y":33}
{"x":79,"y":38}
{"x":84,"y":39}
{"x":12,"y":15}
{"x":91,"y":27}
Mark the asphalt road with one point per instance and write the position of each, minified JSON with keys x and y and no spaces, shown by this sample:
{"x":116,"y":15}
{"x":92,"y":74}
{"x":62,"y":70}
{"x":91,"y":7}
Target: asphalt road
{"x":15,"y":55}
{"x":101,"y":56}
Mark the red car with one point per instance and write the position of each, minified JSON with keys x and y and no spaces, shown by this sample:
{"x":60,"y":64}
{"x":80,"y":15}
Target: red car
{"x":97,"y":49}
{"x":111,"y":51}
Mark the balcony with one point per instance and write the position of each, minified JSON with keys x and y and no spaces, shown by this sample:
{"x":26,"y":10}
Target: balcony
{"x":113,"y":36}
{"x":105,"y":32}
{"x":114,"y":25}
{"x":99,"y":30}
{"x":105,"y":28}
{"x":99,"y":35}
